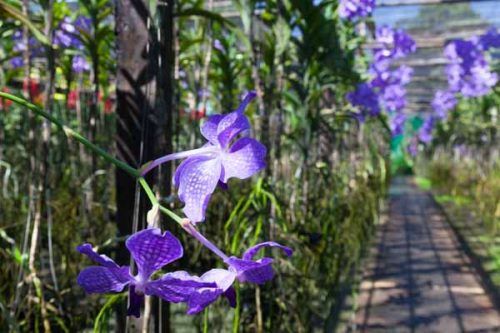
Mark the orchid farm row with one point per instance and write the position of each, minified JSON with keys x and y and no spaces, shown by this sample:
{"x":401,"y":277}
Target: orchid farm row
{"x":169,"y":167}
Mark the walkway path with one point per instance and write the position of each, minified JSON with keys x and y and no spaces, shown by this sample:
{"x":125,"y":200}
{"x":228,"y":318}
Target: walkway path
{"x":420,"y":280}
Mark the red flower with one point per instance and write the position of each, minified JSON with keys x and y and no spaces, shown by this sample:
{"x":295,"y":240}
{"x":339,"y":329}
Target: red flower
{"x":72,"y":99}
{"x":108,"y":106}
{"x":5,"y":105}
{"x":198,"y":114}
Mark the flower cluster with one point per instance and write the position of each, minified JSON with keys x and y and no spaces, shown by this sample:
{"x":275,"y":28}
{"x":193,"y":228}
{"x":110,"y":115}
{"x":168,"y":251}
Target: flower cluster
{"x":387,"y":87}
{"x":20,"y":46}
{"x":366,"y":99}
{"x":350,"y":9}
{"x":468,"y":69}
{"x":394,"y":44}
{"x":227,"y":154}
{"x":67,"y":35}
{"x":468,"y":74}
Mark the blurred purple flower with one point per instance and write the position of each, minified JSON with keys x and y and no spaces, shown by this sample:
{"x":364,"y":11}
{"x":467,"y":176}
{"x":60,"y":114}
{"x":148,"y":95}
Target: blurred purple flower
{"x":16,"y":62}
{"x":397,"y":123}
{"x":365,"y":98}
{"x":404,"y":44}
{"x":83,"y":23}
{"x":425,"y":132}
{"x":20,"y":45}
{"x":383,"y":76}
{"x":218,"y":46}
{"x":490,"y":39}
{"x":350,"y":9}
{"x":224,"y":156}
{"x":402,"y":75}
{"x":413,"y":148}
{"x":66,"y":35}
{"x":442,"y":102}
{"x":394,"y":44}
{"x":245,"y":269}
{"x":468,"y":71}
{"x":80,"y":64}
{"x":151,"y":250}
{"x":393,"y":97}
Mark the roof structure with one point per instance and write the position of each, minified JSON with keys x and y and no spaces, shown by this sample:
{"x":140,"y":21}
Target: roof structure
{"x":433,"y":23}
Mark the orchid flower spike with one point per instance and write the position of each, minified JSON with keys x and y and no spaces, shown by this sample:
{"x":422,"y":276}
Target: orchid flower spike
{"x":224,"y":156}
{"x":245,"y":269}
{"x":151,"y":250}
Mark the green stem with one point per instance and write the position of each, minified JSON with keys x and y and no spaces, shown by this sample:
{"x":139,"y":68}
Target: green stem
{"x":205,"y":321}
{"x":152,"y":198}
{"x":236,"y":321}
{"x":99,"y":151}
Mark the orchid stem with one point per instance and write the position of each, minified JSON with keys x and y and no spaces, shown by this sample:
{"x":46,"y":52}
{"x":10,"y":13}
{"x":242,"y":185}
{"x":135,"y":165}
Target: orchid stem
{"x":71,"y":133}
{"x":191,"y":229}
{"x":154,"y":201}
{"x":99,"y":151}
{"x":138,"y":175}
{"x":236,"y":319}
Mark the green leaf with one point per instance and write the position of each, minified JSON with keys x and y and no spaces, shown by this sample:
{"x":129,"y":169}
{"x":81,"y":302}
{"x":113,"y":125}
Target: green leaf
{"x":11,"y":11}
{"x":101,"y":321}
{"x":204,"y":13}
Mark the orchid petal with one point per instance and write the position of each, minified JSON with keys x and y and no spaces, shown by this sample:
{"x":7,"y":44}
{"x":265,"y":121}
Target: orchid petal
{"x":230,"y":294}
{"x":251,"y":252}
{"x":230,"y":126}
{"x":209,"y":128}
{"x":246,"y":157}
{"x":222,"y":277}
{"x":102,"y":259}
{"x":234,"y":123}
{"x":204,"y":297}
{"x":201,"y":299}
{"x":177,"y":286}
{"x":197,"y":179}
{"x":152,"y":250}
{"x":99,"y":279}
{"x":258,"y":272}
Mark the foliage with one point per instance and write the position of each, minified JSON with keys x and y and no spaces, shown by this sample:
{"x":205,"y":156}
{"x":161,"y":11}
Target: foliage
{"x":321,"y":193}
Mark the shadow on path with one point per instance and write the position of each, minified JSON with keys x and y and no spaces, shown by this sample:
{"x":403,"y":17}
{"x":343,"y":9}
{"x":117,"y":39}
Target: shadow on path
{"x":420,"y":279}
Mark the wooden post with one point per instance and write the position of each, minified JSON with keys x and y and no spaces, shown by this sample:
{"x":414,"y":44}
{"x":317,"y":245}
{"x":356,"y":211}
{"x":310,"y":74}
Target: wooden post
{"x":144,"y":107}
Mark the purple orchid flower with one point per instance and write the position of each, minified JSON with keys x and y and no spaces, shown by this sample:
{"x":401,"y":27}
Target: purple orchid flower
{"x":413,"y":147}
{"x":16,"y":62}
{"x":244,"y":269}
{"x":393,"y":97}
{"x":365,"y":98}
{"x":151,"y":250}
{"x":80,"y":64}
{"x":66,"y":34}
{"x":425,"y":132}
{"x":468,"y":71}
{"x":219,"y":46}
{"x":395,"y":43}
{"x":490,"y":39}
{"x":397,"y":124}
{"x":443,"y":102}
{"x":350,"y":9}
{"x":224,"y":156}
